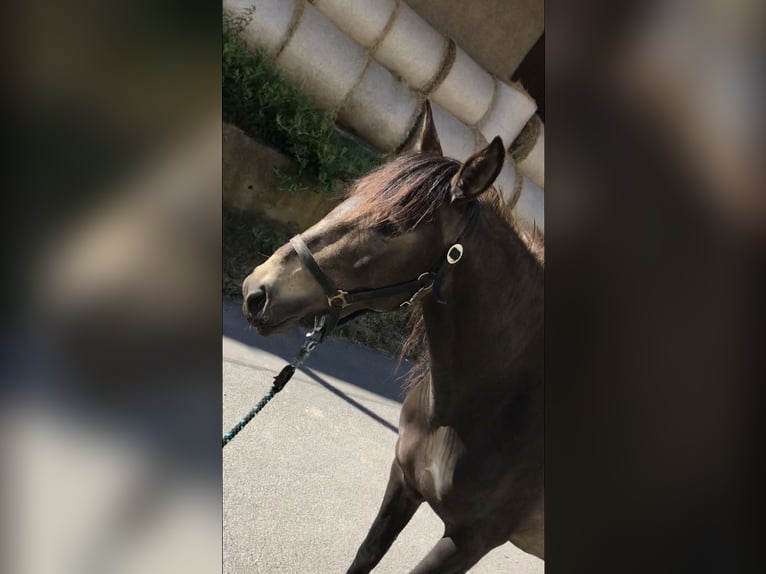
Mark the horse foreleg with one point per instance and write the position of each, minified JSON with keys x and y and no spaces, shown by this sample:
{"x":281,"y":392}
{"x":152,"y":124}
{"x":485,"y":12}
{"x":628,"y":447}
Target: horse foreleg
{"x":399,"y":504}
{"x":453,"y":554}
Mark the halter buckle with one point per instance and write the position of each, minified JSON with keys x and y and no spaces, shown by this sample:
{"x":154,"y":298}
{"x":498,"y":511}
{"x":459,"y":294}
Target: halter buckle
{"x":340,"y":296}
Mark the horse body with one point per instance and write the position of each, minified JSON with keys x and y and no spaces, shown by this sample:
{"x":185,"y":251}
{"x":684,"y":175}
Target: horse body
{"x":471,"y":426}
{"x":471,"y":431}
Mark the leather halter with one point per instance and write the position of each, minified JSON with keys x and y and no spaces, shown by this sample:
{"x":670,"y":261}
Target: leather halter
{"x":338,"y":299}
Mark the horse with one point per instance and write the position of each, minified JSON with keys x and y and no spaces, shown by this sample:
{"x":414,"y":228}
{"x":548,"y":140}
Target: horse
{"x":421,"y":230}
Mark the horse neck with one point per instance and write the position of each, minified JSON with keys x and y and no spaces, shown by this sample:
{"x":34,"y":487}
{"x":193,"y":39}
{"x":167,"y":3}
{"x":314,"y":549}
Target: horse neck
{"x":485,"y":344}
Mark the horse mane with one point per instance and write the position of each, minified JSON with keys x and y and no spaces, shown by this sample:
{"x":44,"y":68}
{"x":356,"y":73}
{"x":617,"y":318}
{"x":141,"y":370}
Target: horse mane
{"x":403,"y":192}
{"x":406,"y":191}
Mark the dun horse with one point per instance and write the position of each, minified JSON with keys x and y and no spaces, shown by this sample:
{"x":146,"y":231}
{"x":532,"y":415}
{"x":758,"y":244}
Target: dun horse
{"x":471,"y":426}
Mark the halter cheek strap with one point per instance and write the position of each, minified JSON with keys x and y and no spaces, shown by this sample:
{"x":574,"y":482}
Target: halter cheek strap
{"x":455,"y":252}
{"x":307,"y":258}
{"x":338,"y":299}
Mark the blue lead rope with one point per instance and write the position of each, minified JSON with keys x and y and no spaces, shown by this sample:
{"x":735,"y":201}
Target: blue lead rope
{"x":313,"y":338}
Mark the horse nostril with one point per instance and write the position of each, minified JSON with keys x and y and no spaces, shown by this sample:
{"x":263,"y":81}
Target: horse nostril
{"x":255,"y":302}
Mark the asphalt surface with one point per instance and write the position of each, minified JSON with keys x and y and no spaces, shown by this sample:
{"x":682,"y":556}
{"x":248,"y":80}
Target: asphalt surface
{"x":304,"y":480}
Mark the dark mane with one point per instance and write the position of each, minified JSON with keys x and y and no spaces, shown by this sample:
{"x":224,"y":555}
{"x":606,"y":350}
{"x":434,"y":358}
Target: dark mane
{"x":411,"y":188}
{"x":405,"y":192}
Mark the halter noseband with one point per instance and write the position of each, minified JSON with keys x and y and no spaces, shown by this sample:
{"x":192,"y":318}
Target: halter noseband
{"x":338,"y":299}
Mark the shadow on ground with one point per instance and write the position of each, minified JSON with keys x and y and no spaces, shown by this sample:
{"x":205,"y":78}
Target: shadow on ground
{"x":360,"y":366}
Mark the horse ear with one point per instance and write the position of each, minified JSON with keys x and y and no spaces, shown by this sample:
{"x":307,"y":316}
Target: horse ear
{"x":479,"y":171}
{"x":425,"y":138}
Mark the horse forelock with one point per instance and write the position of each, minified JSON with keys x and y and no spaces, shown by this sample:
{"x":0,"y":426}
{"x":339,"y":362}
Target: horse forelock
{"x":410,"y":189}
{"x":403,"y":192}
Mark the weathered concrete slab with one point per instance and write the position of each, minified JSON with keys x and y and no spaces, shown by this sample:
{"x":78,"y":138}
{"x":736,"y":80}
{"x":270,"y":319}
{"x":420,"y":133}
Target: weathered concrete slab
{"x":380,"y":108}
{"x":496,"y":33}
{"x":321,"y":59}
{"x":363,"y":20}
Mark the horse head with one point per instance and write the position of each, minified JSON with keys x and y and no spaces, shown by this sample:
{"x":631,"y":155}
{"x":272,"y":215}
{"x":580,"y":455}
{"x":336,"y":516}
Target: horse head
{"x":381,"y":247}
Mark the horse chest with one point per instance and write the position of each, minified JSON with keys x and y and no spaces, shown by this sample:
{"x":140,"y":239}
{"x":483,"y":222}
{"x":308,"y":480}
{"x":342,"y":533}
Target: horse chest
{"x":429,"y":460}
{"x":435,"y":463}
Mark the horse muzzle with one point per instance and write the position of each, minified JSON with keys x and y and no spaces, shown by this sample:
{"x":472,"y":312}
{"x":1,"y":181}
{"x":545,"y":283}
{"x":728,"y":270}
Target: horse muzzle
{"x":260,"y":310}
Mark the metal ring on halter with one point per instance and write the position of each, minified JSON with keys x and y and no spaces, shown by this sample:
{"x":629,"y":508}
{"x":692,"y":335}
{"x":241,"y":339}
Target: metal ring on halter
{"x":340,"y":297}
{"x":423,"y":286}
{"x":452,"y":259}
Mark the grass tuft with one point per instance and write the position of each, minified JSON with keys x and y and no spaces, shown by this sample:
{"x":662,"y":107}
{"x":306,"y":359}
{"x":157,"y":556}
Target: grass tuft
{"x":258,"y":100}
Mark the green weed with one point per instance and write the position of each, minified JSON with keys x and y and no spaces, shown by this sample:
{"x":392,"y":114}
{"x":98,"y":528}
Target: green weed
{"x":258,"y":100}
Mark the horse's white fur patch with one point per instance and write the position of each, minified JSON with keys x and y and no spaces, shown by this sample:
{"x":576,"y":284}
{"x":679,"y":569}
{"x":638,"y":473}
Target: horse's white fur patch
{"x":362,"y":261}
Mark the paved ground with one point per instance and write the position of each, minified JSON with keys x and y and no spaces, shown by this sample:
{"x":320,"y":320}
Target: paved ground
{"x":305,"y":478}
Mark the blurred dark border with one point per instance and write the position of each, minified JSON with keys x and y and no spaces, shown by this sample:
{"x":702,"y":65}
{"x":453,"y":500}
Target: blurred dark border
{"x":111,"y":322}
{"x":653,"y":294}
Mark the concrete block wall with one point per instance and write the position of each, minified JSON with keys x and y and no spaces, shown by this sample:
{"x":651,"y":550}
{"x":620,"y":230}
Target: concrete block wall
{"x":529,"y":155}
{"x":374,"y":62}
